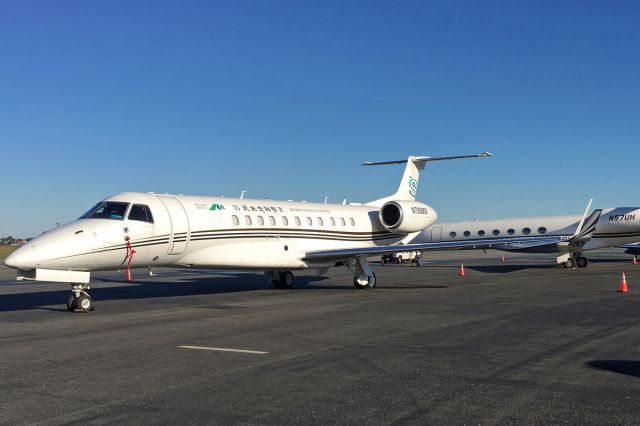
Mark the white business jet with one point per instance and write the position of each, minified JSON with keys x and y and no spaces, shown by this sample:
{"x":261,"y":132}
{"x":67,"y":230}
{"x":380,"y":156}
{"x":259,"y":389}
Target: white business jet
{"x":567,"y":236}
{"x":151,"y":230}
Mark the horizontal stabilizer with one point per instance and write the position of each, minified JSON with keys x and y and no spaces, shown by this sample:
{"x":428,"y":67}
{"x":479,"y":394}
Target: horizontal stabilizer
{"x":427,"y":159}
{"x":409,"y":184}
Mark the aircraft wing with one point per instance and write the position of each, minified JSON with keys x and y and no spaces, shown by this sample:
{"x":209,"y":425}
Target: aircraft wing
{"x":496,"y":243}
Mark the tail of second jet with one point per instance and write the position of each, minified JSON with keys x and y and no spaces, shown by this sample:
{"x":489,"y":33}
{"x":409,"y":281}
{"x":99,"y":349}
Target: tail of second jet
{"x":408,"y":186}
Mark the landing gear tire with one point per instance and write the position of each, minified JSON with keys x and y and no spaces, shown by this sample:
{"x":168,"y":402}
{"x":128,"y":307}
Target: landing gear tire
{"x":83,"y":303}
{"x":71,"y":303}
{"x":415,"y":263}
{"x":282,"y":279}
{"x":79,"y":300}
{"x":569,"y":263}
{"x":287,"y":279}
{"x":371,"y":282}
{"x":582,"y":262}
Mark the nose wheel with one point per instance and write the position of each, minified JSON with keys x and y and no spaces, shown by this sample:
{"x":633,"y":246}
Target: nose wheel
{"x":79,"y":300}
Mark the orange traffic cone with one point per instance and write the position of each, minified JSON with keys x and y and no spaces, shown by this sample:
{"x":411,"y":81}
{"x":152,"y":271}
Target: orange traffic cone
{"x":623,"y":284}
{"x":635,"y":260}
{"x":461,"y":272}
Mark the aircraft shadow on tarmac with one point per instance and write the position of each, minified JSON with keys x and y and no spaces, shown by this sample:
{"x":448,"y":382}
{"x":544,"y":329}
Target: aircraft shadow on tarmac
{"x":506,"y":269}
{"x":177,"y":285}
{"x":626,"y":367}
{"x":172,"y":284}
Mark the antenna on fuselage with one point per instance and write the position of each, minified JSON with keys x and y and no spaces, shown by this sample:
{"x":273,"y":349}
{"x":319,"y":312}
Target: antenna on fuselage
{"x":242,"y":194}
{"x":325,"y":199}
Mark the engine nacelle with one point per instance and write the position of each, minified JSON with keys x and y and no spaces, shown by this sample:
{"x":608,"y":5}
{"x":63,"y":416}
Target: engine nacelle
{"x":404,"y":217}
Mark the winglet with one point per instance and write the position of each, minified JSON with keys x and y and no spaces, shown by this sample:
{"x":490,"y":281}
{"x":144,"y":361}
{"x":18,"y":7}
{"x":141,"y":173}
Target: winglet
{"x":584,"y":216}
{"x":587,"y":225}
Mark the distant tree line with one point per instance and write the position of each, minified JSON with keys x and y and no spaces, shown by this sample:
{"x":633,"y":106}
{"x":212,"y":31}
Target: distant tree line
{"x":10,"y":241}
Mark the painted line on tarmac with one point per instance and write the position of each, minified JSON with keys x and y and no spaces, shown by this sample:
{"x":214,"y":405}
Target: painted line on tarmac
{"x":205,"y":348}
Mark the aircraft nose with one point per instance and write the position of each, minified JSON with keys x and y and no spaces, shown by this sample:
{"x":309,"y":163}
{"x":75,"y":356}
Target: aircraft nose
{"x":12,"y":261}
{"x":26,"y":258}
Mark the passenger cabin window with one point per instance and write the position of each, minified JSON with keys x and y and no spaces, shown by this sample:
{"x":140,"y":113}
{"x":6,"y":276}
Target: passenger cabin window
{"x":526,"y":231}
{"x":511,"y":231}
{"x":496,"y":232}
{"x":272,"y":221}
{"x":285,"y":221}
{"x":260,"y":221}
{"x":467,"y":233}
{"x":140,"y":212}
{"x":107,"y":210}
{"x":235,"y":220}
{"x":481,"y":233}
{"x":309,"y":222}
{"x":298,"y":221}
{"x":542,"y":230}
{"x":333,"y":221}
{"x":353,"y":222}
{"x":342,"y":222}
{"x":452,"y":234}
{"x":320,"y":222}
{"x":247,"y":220}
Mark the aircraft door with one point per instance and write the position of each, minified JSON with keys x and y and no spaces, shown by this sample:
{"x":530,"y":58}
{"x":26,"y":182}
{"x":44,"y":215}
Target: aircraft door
{"x":436,"y":234}
{"x":179,"y":225}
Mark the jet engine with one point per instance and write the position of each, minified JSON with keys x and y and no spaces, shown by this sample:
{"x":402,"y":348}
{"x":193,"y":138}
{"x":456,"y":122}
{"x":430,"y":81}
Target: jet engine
{"x":404,"y":217}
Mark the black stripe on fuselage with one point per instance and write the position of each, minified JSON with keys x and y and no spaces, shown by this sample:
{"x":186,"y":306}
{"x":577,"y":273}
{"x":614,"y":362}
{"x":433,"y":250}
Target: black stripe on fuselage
{"x":245,"y":235}
{"x":617,"y":235}
{"x":292,"y":229}
{"x":294,"y":236}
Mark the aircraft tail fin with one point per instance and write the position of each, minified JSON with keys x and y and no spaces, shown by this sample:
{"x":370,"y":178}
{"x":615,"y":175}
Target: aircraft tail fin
{"x":408,"y":186}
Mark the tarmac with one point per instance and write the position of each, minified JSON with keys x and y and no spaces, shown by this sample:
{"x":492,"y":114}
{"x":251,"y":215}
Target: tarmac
{"x":519,"y":342}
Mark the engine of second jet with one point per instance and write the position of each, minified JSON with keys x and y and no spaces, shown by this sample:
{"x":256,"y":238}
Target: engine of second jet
{"x":404,"y":217}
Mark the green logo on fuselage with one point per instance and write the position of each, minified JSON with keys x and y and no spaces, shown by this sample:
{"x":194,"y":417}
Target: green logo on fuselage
{"x":215,"y":207}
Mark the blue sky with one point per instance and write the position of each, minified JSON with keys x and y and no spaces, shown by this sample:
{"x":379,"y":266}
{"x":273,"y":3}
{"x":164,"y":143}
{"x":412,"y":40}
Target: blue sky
{"x":286,"y":99}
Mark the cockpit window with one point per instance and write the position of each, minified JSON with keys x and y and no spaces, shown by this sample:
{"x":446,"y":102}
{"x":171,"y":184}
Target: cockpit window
{"x":140,"y":212}
{"x":107,"y":210}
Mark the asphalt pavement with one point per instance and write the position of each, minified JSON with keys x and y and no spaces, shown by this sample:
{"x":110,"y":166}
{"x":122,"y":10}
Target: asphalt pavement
{"x":519,"y":342}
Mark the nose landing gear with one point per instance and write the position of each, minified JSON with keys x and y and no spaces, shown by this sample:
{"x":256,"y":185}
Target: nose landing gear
{"x":79,"y":300}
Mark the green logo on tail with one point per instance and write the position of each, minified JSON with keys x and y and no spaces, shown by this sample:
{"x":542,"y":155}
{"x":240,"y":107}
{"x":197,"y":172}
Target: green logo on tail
{"x":413,"y":186}
{"x":215,"y":207}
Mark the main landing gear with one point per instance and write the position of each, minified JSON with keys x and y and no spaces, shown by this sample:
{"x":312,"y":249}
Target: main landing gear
{"x":577,"y":259}
{"x":363,"y":277}
{"x":79,"y":300}
{"x":280,"y":279}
